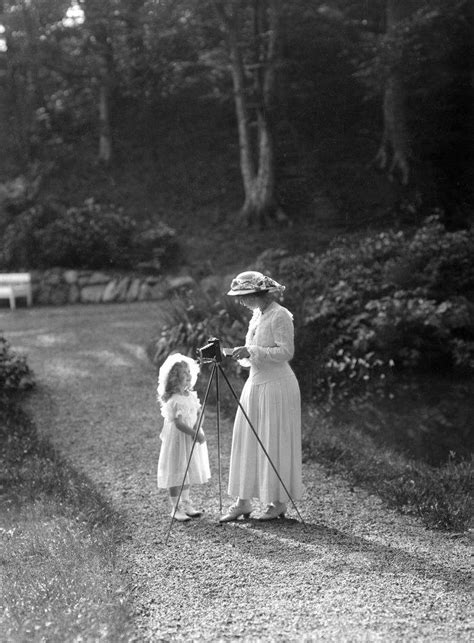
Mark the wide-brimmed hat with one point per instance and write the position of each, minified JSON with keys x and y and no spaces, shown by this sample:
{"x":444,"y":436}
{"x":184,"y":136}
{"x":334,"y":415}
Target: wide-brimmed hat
{"x":252,"y":282}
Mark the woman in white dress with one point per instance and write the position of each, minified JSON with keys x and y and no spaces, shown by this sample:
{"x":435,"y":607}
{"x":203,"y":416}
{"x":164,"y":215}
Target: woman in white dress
{"x":271,"y":400}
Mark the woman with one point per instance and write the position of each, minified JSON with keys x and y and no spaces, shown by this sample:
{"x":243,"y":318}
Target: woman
{"x":271,"y":400}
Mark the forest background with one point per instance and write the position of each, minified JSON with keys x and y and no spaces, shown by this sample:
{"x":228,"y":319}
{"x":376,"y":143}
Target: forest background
{"x":328,"y":143}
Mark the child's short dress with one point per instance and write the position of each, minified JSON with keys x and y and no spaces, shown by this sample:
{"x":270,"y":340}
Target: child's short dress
{"x":176,"y":445}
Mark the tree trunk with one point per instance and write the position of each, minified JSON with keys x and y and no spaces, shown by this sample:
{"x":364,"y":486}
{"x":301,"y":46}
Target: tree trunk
{"x":105,"y":139}
{"x":136,"y":45}
{"x":247,"y":165}
{"x":257,"y":156}
{"x":34,"y":89}
{"x":105,"y":80}
{"x":260,"y":203}
{"x":395,"y":139}
{"x":23,"y":78}
{"x":17,"y":103}
{"x":98,"y":23}
{"x":394,"y":151}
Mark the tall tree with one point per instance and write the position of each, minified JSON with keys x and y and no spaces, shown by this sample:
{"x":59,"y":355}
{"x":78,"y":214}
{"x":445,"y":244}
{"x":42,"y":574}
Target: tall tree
{"x":27,"y":79}
{"x":22,"y":33}
{"x":252,"y":32}
{"x":394,"y":151}
{"x":99,"y":20}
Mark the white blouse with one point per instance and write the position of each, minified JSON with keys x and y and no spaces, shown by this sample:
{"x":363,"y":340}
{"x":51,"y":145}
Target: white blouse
{"x":270,"y":343}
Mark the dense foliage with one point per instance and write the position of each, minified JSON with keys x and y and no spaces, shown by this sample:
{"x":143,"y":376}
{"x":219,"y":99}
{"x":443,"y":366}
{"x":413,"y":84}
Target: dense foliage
{"x":15,"y":374}
{"x":390,"y":302}
{"x":385,"y":334}
{"x":89,"y":236}
{"x":194,"y":319}
{"x":103,"y":78}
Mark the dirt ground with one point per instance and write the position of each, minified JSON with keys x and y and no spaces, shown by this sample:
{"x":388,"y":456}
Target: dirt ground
{"x":354,"y":571}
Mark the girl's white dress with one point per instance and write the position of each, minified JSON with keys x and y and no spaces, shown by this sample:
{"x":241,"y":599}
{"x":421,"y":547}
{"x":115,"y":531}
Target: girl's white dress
{"x":176,"y":445}
{"x":271,"y":399}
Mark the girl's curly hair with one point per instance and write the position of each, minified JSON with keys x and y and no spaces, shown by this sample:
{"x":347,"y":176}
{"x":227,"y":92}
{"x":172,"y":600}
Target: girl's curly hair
{"x":174,"y":380}
{"x":171,"y":372}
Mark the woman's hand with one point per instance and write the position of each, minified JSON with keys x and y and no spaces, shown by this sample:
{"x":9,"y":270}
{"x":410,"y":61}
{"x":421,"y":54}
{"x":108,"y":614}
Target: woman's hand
{"x":240,"y":352}
{"x":200,"y":436}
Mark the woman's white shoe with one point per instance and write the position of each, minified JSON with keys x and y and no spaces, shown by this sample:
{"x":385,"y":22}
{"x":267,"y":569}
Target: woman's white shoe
{"x":273,"y":511}
{"x":235,"y":511}
{"x":179,"y":515}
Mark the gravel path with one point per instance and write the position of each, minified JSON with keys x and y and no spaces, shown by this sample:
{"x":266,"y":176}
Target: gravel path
{"x":355,"y":572}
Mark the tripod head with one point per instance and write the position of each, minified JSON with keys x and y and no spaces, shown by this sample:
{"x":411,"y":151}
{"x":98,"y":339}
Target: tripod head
{"x":211,"y":352}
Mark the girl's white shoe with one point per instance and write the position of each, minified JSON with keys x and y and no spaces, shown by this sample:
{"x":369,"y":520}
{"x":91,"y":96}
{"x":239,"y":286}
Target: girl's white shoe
{"x":189,"y":510}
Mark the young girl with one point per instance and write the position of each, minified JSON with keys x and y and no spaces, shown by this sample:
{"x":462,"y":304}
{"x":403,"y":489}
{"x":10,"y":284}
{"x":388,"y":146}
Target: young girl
{"x":180,"y":408}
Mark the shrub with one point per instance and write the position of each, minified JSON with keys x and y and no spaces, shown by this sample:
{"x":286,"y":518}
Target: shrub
{"x":15,"y":374}
{"x":385,"y":334}
{"x":92,"y":236}
{"x":157,"y":243}
{"x":193,"y":319}
{"x":386,"y":303}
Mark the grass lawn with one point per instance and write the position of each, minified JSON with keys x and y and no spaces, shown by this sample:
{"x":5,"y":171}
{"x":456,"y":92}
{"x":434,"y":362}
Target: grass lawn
{"x":58,"y":538}
{"x":59,"y":535}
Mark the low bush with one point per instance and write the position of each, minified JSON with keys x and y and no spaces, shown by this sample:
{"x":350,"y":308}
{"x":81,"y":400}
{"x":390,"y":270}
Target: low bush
{"x":93,"y":236}
{"x":385,"y":334}
{"x":194,"y":317}
{"x":384,"y":304}
{"x":15,"y":374}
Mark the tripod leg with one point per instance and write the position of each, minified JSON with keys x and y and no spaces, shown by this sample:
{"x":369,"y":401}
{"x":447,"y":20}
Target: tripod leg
{"x":218,"y":413}
{"x":261,"y":443}
{"x":201,"y":415}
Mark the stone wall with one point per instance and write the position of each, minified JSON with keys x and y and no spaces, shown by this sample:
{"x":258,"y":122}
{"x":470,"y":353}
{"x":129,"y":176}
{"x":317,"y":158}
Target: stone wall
{"x":58,"y":287}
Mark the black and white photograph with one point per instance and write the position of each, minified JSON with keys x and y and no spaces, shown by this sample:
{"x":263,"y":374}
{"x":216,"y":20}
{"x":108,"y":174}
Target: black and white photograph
{"x":236,"y":321}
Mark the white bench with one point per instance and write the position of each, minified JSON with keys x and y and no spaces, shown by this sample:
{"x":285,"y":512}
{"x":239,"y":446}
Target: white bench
{"x":16,"y":284}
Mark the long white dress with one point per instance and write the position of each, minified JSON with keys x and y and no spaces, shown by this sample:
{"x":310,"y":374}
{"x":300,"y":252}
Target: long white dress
{"x":271,"y":399}
{"x":176,"y":445}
